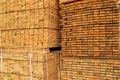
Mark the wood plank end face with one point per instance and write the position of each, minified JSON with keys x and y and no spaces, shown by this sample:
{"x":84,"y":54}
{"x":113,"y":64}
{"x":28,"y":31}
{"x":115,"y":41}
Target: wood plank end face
{"x":17,"y":64}
{"x":90,"y":29}
{"x":66,"y":1}
{"x":29,"y":24}
{"x":89,"y":69}
{"x":28,"y":28}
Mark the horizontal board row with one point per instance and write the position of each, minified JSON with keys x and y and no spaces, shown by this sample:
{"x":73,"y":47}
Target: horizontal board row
{"x":65,"y":1}
{"x":91,"y":53}
{"x":89,"y":69}
{"x":89,"y":4}
{"x":39,"y":18}
{"x":7,"y":76}
{"x":90,"y":28}
{"x":19,"y":5}
{"x":30,"y":38}
{"x":17,"y":62}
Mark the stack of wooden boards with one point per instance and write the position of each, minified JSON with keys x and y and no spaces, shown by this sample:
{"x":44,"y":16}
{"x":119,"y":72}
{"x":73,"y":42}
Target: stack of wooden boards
{"x":90,"y":40}
{"x":89,"y":69}
{"x":29,"y":27}
{"x":90,"y":28}
{"x":17,"y":65}
{"x":29,"y":23}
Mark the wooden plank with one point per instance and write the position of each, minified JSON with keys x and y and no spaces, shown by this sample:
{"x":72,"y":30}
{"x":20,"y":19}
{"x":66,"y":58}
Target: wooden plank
{"x":90,"y":29}
{"x":19,"y":5}
{"x":17,"y":64}
{"x":90,"y":69}
{"x":30,"y":38}
{"x":39,"y":18}
{"x":66,"y":1}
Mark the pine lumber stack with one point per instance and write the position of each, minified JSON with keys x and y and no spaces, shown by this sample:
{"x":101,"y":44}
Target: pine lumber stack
{"x":90,"y":28}
{"x":89,"y":69}
{"x":29,"y":24}
{"x":29,"y":27}
{"x":16,"y":65}
{"x":90,"y":40}
{"x":21,"y":5}
{"x":30,"y":38}
{"x":27,"y":19}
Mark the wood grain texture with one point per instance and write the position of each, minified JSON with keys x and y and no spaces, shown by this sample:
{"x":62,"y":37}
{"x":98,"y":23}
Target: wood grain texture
{"x":36,"y":25}
{"x":66,"y":1}
{"x":30,"y":38}
{"x":90,"y":28}
{"x":89,"y":69}
{"x":16,"y":64}
{"x":20,"y":5}
{"x":37,"y":18}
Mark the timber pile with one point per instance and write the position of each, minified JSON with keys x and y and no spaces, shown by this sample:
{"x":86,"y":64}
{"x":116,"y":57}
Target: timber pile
{"x":30,"y":19}
{"x":90,"y":28}
{"x":29,"y":23}
{"x":89,"y":69}
{"x":27,"y":38}
{"x":90,"y":40}
{"x":13,"y":5}
{"x":16,"y":65}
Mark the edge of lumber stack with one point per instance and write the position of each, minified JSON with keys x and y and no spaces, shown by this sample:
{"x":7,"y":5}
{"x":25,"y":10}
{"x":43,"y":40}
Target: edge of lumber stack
{"x":90,"y":28}
{"x":73,"y":68}
{"x":31,"y":23}
{"x":28,"y":30}
{"x":16,"y":64}
{"x":66,"y":1}
{"x":90,"y":40}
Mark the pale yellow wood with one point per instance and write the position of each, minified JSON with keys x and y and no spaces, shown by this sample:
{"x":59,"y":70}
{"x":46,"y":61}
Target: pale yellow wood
{"x":17,"y":62}
{"x":118,"y":2}
{"x":32,"y":38}
{"x":18,"y":5}
{"x":89,"y":69}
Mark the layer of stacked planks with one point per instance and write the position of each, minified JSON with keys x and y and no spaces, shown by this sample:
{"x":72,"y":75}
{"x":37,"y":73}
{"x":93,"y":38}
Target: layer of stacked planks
{"x":17,"y":65}
{"x":29,"y":23}
{"x":89,"y":69}
{"x":66,"y":1}
{"x":35,"y":38}
{"x":28,"y":29}
{"x":90,"y":28}
{"x":90,"y":40}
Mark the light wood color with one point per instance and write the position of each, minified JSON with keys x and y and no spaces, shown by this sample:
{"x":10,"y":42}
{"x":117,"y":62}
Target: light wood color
{"x":90,"y":29}
{"x":118,"y":2}
{"x":30,"y":38}
{"x":21,"y":5}
{"x":17,"y":63}
{"x":29,"y":24}
{"x":89,"y":69}
{"x":66,"y":1}
{"x":37,"y":18}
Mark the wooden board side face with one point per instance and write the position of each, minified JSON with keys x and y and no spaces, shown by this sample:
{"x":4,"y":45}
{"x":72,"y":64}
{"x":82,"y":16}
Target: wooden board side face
{"x":30,"y":19}
{"x":20,"y":5}
{"x":65,"y":1}
{"x":7,"y":76}
{"x":90,"y":30}
{"x":35,"y":38}
{"x":17,"y":63}
{"x":89,"y":69}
